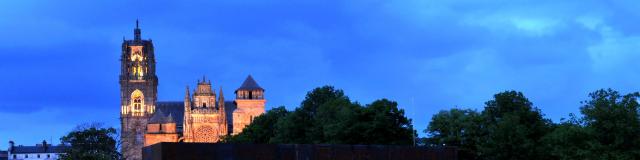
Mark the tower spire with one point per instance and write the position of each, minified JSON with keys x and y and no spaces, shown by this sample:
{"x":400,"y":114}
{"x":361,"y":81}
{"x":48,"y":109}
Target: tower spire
{"x":136,"y":32}
{"x":186,"y":96}
{"x":223,"y":112}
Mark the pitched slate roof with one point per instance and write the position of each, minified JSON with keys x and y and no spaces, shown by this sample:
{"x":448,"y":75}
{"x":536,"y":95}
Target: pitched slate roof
{"x":39,"y":149}
{"x":158,"y":117}
{"x":176,"y":109}
{"x":250,"y":84}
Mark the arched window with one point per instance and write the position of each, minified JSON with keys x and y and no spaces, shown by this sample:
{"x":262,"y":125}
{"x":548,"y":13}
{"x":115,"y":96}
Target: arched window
{"x":137,"y":101}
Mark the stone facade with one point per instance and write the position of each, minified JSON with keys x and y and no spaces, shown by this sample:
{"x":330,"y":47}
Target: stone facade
{"x":203,"y":116}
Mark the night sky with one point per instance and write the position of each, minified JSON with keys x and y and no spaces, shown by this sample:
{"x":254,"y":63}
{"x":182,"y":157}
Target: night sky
{"x":59,"y":60}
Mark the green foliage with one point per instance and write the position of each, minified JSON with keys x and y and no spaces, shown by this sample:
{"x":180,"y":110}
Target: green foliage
{"x":455,"y":127}
{"x":614,"y":124}
{"x":510,"y":128}
{"x":327,"y":116}
{"x":91,"y":143}
{"x":383,"y":123}
{"x":569,"y":140}
{"x":261,"y":129}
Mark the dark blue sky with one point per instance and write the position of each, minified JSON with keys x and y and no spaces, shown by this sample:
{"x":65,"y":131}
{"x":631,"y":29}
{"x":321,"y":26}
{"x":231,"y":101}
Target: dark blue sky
{"x":59,"y":59}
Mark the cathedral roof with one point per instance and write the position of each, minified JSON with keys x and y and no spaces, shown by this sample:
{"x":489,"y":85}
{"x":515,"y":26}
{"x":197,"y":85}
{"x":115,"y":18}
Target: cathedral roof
{"x":250,"y":84}
{"x":158,"y":117}
{"x":176,"y":109}
{"x":169,"y":119}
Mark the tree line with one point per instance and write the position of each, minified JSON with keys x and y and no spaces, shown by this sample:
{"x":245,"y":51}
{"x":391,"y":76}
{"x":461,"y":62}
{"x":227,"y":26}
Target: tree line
{"x":509,"y":127}
{"x":328,"y":116}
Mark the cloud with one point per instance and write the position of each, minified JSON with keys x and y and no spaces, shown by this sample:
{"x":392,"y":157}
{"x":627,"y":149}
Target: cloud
{"x":427,"y":55}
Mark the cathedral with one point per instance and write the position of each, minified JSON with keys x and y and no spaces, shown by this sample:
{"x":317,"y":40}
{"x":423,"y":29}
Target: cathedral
{"x":203,"y":117}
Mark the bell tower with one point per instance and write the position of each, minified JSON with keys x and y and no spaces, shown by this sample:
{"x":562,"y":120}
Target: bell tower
{"x":250,"y":103}
{"x":138,"y":92}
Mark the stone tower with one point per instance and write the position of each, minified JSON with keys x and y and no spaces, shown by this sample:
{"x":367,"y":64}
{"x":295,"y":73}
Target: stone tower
{"x":250,"y":104}
{"x":138,"y":93}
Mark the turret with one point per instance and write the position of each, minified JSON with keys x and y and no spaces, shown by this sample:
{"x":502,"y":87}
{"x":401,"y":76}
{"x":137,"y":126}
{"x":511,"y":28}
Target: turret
{"x":204,"y":97}
{"x":187,"y":100}
{"x":250,"y":103}
{"x":223,"y":113}
{"x":250,"y":90}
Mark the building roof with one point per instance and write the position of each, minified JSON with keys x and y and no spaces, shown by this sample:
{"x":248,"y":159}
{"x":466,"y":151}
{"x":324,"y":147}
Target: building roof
{"x":158,"y":117}
{"x":250,"y":84}
{"x":176,"y":109}
{"x":39,"y":149}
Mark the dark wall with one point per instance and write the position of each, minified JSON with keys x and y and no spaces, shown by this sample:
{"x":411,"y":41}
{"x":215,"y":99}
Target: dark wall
{"x":188,"y":151}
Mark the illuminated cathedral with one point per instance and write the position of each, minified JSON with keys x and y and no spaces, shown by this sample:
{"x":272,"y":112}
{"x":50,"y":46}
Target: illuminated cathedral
{"x":203,"y":117}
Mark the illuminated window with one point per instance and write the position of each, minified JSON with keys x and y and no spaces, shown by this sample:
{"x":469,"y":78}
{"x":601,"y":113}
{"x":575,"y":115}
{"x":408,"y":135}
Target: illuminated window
{"x":137,"y":103}
{"x":136,"y":53}
{"x":137,"y":100}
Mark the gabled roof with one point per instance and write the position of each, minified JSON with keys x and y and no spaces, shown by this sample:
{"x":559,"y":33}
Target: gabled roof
{"x":250,"y":84}
{"x":157,"y":117}
{"x":174,"y":108}
{"x":39,"y":149}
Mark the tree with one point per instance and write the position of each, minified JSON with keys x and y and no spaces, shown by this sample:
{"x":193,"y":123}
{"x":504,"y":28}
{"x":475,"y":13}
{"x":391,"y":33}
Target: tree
{"x":569,"y":140}
{"x":455,"y":127}
{"x":91,"y":142}
{"x":262,"y":129}
{"x":336,"y":121}
{"x":385,"y":124}
{"x":327,"y":116}
{"x":298,"y":127}
{"x":512,"y":128}
{"x":614,"y":122}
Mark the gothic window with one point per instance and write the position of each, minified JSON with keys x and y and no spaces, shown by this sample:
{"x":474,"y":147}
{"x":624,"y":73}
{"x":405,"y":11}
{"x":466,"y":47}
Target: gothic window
{"x":136,"y":53}
{"x":137,"y":71}
{"x":137,"y":100}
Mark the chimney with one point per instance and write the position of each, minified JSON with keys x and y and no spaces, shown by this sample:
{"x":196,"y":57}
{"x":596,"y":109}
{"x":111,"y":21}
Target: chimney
{"x":44,"y":144}
{"x":11,"y":146}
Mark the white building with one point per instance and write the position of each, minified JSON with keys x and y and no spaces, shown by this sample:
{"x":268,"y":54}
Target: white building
{"x":39,"y":151}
